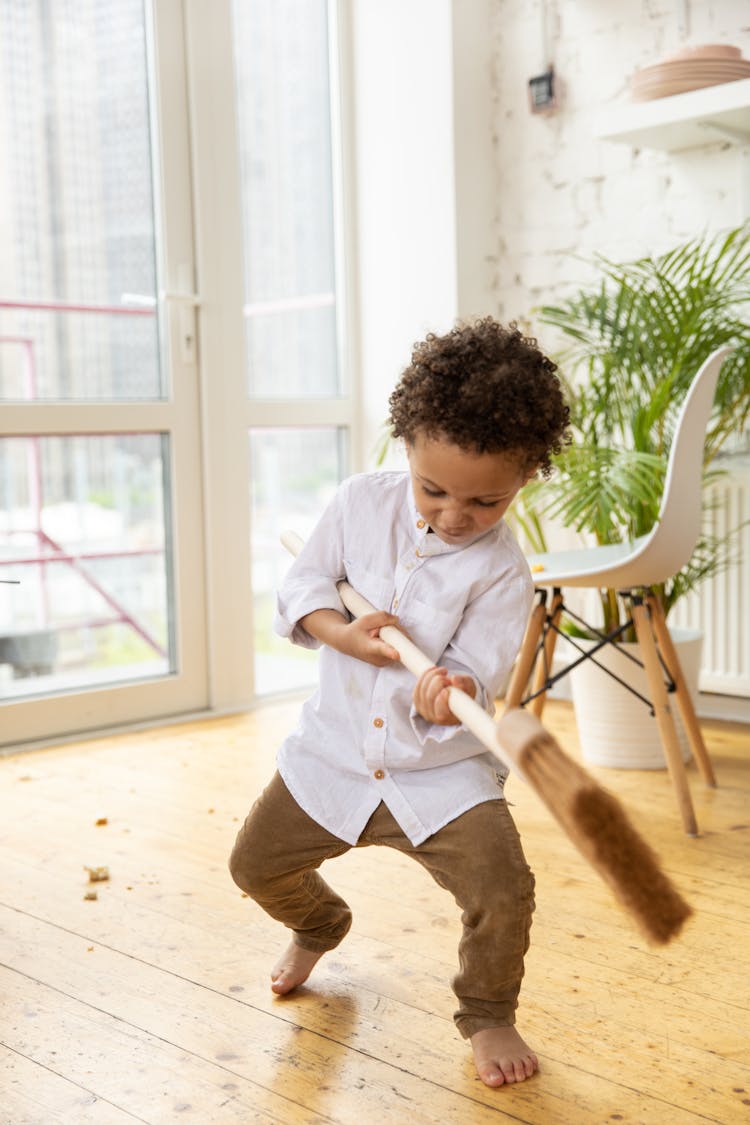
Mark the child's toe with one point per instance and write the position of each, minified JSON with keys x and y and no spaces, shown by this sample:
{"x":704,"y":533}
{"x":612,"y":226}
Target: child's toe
{"x":491,"y":1075}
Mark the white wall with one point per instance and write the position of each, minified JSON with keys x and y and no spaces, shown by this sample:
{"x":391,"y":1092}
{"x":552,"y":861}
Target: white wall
{"x":561,"y":192}
{"x":474,"y":155}
{"x":423,"y":176}
{"x":467,"y":204}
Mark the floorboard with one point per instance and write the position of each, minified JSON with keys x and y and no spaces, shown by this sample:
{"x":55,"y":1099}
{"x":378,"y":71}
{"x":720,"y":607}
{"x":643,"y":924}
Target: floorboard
{"x":151,"y":1003}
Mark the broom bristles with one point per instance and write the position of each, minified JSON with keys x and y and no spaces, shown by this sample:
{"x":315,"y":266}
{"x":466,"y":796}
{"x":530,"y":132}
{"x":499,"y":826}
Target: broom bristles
{"x":598,"y":825}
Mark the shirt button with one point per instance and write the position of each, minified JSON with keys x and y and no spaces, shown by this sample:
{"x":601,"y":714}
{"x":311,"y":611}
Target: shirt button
{"x":420,"y":524}
{"x":377,"y":723}
{"x":379,"y":774}
{"x":395,"y":603}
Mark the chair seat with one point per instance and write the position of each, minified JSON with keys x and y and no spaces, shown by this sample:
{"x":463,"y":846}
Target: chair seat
{"x":615,"y":564}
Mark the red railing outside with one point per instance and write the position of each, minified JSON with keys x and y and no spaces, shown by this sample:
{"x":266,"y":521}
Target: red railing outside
{"x":59,"y":554}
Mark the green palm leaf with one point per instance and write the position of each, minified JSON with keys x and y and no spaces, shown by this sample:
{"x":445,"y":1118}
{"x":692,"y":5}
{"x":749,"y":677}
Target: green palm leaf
{"x":633,"y":344}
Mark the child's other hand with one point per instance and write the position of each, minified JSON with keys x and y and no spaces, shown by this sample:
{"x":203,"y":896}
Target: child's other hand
{"x":362,"y":639}
{"x":431,"y":695}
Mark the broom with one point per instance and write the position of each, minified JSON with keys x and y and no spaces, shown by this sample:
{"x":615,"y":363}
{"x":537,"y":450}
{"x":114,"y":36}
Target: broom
{"x":594,"y":819}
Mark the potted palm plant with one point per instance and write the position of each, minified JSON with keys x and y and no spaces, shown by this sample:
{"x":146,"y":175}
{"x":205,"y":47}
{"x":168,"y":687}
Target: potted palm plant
{"x":632,"y":344}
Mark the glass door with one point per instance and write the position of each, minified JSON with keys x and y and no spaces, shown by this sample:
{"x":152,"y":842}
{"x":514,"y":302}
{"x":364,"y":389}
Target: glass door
{"x":271,"y":225}
{"x":101,"y":601}
{"x":175,"y":387}
{"x":294,"y":313}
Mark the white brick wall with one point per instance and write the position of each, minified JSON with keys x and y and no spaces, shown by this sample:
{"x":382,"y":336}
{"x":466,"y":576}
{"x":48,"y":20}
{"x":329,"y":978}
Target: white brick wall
{"x":562,"y":192}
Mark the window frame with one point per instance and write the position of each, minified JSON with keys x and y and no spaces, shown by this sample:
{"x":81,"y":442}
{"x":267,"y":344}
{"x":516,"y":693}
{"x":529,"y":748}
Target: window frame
{"x":229,"y":414}
{"x":207,"y":414}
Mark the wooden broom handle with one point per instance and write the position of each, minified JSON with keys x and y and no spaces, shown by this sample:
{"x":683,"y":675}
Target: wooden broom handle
{"x":505,"y":739}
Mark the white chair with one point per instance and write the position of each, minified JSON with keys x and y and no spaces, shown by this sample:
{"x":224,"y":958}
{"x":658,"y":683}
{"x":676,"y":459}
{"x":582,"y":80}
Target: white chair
{"x":633,"y":569}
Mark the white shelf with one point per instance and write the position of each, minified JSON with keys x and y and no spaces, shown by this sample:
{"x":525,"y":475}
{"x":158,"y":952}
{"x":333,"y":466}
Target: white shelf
{"x":700,"y":117}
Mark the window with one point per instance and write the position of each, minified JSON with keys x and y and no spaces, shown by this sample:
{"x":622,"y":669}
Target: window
{"x":173,"y":378}
{"x":286,"y":124}
{"x":294,"y":474}
{"x":285,"y":139}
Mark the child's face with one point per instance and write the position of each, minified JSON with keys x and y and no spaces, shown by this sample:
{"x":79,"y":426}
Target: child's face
{"x":460,"y":493}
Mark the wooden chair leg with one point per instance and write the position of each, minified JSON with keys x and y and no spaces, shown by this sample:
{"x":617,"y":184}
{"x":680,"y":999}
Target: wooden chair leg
{"x":682,"y":694}
{"x":664,"y":717}
{"x":526,"y":657}
{"x":544,"y":664}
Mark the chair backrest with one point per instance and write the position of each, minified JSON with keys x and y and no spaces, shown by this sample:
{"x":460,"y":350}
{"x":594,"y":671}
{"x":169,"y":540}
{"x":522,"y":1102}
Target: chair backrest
{"x":672,"y":541}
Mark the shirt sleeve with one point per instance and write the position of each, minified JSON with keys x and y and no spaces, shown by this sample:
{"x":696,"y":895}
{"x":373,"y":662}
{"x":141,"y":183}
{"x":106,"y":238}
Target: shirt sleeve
{"x":491,"y":631}
{"x":310,"y":583}
{"x":485,"y":644}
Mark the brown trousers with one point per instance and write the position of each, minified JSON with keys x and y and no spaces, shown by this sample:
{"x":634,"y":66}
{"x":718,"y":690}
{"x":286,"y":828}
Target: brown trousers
{"x":477,"y":857}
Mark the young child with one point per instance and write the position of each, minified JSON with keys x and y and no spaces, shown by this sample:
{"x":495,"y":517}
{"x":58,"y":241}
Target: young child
{"x":376,"y":759}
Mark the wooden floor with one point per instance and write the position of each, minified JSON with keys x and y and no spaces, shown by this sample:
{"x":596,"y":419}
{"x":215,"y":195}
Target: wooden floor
{"x":152,"y":1003}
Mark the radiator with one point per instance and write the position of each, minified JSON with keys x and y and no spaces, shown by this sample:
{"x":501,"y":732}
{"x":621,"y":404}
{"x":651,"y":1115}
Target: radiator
{"x":720,"y":607}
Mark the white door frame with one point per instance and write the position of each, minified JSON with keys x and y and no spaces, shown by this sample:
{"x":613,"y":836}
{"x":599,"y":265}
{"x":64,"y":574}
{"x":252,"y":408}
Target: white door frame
{"x":208,"y":414}
{"x":228,"y":413}
{"x":55,"y":716}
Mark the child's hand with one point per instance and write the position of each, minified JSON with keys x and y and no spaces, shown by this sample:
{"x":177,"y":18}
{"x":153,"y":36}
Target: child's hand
{"x":431,"y":695}
{"x":361,"y":639}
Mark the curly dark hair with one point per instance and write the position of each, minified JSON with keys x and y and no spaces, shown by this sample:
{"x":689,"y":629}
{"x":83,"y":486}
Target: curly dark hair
{"x":485,"y":388}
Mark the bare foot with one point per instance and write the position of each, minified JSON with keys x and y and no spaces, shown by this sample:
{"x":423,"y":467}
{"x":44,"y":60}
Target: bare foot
{"x":502,"y":1056}
{"x":292,"y":968}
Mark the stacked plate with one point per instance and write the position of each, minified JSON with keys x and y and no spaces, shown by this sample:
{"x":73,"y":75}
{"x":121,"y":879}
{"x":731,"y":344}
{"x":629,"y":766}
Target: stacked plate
{"x":690,"y":69}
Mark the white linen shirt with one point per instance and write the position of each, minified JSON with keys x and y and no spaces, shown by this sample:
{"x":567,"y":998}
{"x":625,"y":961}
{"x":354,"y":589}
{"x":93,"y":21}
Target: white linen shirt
{"x":360,"y":740}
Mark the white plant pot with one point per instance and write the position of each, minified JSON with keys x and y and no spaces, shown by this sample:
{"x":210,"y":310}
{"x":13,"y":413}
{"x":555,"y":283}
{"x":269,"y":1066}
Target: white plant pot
{"x":615,"y":728}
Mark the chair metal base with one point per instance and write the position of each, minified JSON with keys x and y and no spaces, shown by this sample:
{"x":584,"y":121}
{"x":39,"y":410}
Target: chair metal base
{"x":532,"y":678}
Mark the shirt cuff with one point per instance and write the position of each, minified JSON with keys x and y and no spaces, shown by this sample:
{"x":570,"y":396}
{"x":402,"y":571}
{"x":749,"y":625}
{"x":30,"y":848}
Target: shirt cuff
{"x":291,"y":609}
